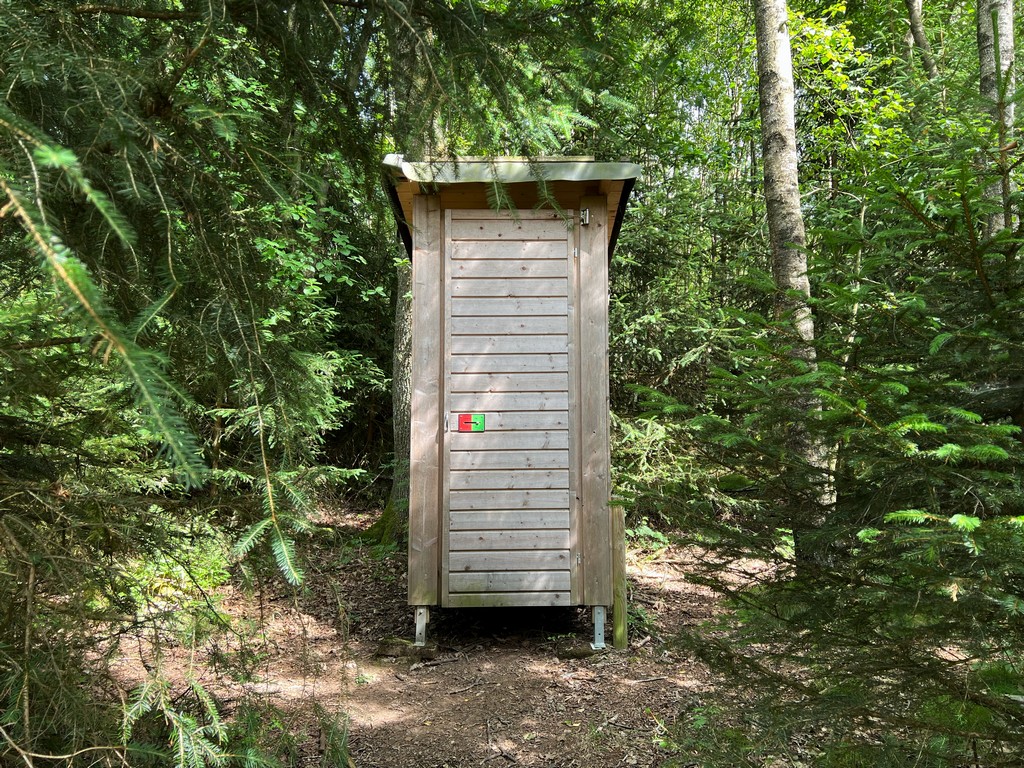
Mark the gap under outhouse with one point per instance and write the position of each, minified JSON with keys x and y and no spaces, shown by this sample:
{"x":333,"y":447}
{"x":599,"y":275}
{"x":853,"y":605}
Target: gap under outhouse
{"x":509,"y":463}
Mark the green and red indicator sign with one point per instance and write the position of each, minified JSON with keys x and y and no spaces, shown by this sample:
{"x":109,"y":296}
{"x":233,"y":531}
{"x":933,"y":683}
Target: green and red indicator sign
{"x":471,"y":422}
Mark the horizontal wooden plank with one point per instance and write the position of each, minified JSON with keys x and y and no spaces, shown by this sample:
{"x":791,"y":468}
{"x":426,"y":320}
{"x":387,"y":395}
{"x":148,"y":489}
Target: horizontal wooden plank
{"x":475,"y":541}
{"x":510,"y":581}
{"x":482,"y":480}
{"x":504,"y":305}
{"x":519,"y":560}
{"x":505,"y":421}
{"x":491,"y":402}
{"x":507,"y":599}
{"x":510,"y":249}
{"x":469,"y":212}
{"x":510,"y":325}
{"x":470,"y":459}
{"x":525,"y":363}
{"x":522,"y":286}
{"x":519,"y":498}
{"x":508,"y":519}
{"x":502,"y":344}
{"x":510,"y":382}
{"x":508,"y":229}
{"x":503,"y":441}
{"x":491,"y":268}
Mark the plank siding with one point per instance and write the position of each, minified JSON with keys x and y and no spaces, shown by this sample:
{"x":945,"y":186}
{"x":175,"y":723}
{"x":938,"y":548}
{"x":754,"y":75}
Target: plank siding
{"x":510,"y":581}
{"x":508,"y":493}
{"x":516,"y":459}
{"x":511,"y":498}
{"x":526,"y":363}
{"x":504,"y":519}
{"x":509,"y":382}
{"x":525,"y":286}
{"x":509,"y":599}
{"x":497,"y":306}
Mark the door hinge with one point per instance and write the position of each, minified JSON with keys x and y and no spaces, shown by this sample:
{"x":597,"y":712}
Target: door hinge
{"x":575,"y":253}
{"x":585,"y":217}
{"x":579,"y":558}
{"x":446,"y":422}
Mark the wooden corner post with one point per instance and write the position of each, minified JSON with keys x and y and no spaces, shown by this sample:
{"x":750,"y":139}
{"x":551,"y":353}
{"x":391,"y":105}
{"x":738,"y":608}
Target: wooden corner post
{"x":594,"y":461}
{"x":425,"y":435}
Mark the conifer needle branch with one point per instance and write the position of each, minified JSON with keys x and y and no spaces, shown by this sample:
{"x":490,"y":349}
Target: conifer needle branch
{"x":28,"y":756}
{"x":137,"y":13}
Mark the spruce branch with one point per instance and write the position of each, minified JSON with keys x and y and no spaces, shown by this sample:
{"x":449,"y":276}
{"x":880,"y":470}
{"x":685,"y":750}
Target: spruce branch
{"x":136,"y":13}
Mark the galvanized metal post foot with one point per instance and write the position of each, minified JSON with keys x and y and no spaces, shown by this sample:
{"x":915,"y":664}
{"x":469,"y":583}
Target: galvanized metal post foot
{"x":422,"y":617}
{"x":599,"y":616}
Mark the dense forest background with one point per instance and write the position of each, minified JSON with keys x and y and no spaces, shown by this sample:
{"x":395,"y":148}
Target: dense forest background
{"x":199,"y":279}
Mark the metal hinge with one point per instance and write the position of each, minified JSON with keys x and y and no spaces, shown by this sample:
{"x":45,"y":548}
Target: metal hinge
{"x":579,"y":558}
{"x":446,"y":422}
{"x":585,"y":217}
{"x":575,"y":253}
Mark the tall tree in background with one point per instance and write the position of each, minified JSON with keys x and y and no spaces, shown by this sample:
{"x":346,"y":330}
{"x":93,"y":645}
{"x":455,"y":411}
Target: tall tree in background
{"x":998,"y":84}
{"x":787,"y":240}
{"x":919,"y":39}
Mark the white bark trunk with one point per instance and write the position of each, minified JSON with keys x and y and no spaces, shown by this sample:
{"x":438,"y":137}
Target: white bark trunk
{"x":919,"y":38}
{"x":789,"y":257}
{"x":998,"y":82}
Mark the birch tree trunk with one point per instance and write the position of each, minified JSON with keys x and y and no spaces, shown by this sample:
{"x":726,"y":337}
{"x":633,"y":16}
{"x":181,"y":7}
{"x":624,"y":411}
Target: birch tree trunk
{"x":998,"y":82}
{"x":919,"y":38}
{"x":789,"y":259}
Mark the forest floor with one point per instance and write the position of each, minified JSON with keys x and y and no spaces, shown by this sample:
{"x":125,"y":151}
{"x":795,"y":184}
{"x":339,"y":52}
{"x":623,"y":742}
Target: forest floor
{"x":503,"y":689}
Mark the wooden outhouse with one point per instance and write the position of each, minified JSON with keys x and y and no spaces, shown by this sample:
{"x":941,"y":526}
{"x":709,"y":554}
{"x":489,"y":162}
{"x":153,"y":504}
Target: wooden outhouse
{"x":509,"y":500}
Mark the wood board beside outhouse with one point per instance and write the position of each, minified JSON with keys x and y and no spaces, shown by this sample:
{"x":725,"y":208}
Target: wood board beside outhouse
{"x":509,"y":465}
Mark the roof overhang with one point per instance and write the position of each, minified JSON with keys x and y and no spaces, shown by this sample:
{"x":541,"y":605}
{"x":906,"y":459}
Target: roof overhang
{"x":523,"y":182}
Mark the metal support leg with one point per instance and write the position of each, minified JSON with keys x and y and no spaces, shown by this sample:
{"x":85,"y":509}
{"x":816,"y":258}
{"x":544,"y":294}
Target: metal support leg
{"x":422,"y":617}
{"x":599,"y":614}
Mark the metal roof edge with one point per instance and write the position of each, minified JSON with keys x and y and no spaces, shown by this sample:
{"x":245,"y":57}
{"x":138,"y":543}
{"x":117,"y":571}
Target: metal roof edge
{"x":508,"y":170}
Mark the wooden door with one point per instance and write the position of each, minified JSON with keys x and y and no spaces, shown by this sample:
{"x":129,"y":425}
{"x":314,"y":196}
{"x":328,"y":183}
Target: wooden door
{"x":509,"y":488}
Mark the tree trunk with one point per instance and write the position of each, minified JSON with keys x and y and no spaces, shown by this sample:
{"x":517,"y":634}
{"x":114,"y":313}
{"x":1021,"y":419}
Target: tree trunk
{"x":789,"y":260}
{"x":920,"y":39}
{"x":394,"y":520}
{"x":996,"y":59}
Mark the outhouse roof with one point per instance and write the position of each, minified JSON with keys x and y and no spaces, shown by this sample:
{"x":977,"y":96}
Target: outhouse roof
{"x":406,"y":178}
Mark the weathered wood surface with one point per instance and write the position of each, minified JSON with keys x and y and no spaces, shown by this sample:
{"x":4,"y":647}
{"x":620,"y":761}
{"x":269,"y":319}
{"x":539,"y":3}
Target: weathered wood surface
{"x":495,"y":344}
{"x":528,"y":560}
{"x":510,"y":325}
{"x":487,"y":402}
{"x":526,"y":363}
{"x":518,"y":498}
{"x":493,"y":440}
{"x":499,"y":421}
{"x":508,"y":229}
{"x":525,"y":286}
{"x":513,"y":459}
{"x":521,"y":249}
{"x":509,"y":382}
{"x":595,"y":483}
{"x":497,"y":306}
{"x":477,"y":541}
{"x":487,"y":480}
{"x":509,"y":519}
{"x":511,"y":581}
{"x":509,"y":504}
{"x":425,"y":439}
{"x":500,"y":268}
{"x":508,"y":599}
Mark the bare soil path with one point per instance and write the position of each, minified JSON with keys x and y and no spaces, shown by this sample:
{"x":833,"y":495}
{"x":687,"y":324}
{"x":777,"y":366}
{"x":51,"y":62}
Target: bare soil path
{"x":500,"y":692}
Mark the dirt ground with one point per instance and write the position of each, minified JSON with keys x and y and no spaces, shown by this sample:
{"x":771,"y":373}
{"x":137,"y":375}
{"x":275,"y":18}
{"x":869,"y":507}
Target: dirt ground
{"x":503,"y":688}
